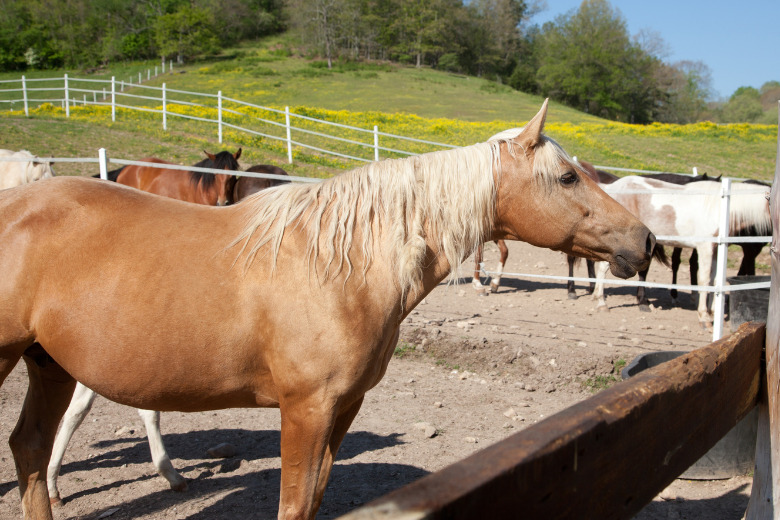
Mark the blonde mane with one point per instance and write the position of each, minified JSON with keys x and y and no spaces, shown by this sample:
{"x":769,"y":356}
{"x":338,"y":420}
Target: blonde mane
{"x":447,"y":198}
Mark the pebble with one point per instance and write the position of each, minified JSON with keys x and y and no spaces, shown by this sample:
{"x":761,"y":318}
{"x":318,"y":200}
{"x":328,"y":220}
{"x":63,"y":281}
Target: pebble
{"x":230,"y":466}
{"x":437,"y":404}
{"x":582,"y":344}
{"x":222,"y":451}
{"x":470,"y":440}
{"x":510,"y":413}
{"x":428,"y":430}
{"x":124,"y":430}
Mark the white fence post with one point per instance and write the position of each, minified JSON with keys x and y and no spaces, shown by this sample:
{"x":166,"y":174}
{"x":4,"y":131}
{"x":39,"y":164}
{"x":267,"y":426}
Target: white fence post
{"x":103,"y":160}
{"x":163,"y":64}
{"x":289,"y":139}
{"x":376,"y":143}
{"x":219,"y":114}
{"x":67,"y":98}
{"x":148,"y":74}
{"x":140,"y":80}
{"x":719,"y":300}
{"x":24,"y":94}
{"x":155,"y":71}
{"x":170,"y":66}
{"x":113,"y":98}
{"x":165,"y":114}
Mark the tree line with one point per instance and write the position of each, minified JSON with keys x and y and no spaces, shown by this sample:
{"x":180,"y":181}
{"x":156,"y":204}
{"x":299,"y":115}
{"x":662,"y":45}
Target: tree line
{"x":585,"y":58}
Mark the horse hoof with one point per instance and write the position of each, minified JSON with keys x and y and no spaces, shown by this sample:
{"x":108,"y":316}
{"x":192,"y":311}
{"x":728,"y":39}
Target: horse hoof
{"x":55,"y":501}
{"x":602,"y":308}
{"x":572,"y":296}
{"x":643,"y":307}
{"x":180,"y":486}
{"x":493,"y":288}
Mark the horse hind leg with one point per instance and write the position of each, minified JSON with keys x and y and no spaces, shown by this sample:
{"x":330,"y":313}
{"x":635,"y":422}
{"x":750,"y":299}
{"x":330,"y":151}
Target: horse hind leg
{"x":159,"y":456}
{"x":79,"y":407}
{"x":598,"y":293}
{"x":475,"y":281}
{"x":48,"y":395}
{"x":495,"y":281}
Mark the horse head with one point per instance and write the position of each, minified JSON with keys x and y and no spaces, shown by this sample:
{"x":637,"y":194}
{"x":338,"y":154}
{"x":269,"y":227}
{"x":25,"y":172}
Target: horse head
{"x":545,"y":198}
{"x":223,"y":184}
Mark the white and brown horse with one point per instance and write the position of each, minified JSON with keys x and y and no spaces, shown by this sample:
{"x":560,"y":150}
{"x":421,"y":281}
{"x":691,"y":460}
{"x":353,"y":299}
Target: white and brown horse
{"x":689,"y":212}
{"x":291,"y":299}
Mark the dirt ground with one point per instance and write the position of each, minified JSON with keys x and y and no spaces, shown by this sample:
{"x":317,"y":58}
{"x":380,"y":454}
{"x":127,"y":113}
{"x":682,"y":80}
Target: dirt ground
{"x":474,"y":368}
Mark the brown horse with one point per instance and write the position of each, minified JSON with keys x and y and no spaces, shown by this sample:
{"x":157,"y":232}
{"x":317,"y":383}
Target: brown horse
{"x":214,"y":307}
{"x":211,"y":189}
{"x":246,"y":186}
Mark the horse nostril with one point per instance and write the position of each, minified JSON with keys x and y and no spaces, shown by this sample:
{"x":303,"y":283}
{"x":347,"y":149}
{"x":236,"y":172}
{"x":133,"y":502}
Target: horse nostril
{"x":650,"y":244}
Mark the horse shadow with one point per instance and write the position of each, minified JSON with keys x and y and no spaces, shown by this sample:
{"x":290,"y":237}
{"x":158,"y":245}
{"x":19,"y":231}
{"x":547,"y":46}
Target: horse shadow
{"x":730,"y":506}
{"x":253,"y":494}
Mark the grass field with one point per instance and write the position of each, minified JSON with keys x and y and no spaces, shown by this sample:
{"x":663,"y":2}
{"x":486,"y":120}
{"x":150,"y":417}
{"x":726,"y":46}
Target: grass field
{"x":420,"y":103}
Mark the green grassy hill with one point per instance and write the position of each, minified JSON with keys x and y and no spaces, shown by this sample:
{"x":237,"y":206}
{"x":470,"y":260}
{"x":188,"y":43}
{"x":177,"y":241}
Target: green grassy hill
{"x":420,"y":103}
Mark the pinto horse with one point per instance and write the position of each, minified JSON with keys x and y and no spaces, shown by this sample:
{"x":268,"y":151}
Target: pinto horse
{"x":216,"y":309}
{"x":689,"y":210}
{"x":211,"y":189}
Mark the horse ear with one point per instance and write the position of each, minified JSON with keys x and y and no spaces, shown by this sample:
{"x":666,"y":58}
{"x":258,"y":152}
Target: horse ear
{"x":532,"y":132}
{"x":210,"y":155}
{"x":238,"y":154}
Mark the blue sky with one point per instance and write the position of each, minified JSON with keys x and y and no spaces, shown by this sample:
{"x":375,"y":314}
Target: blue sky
{"x":738,"y":41}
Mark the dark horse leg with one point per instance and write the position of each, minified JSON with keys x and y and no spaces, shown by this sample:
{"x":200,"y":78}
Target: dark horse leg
{"x":570,"y":284}
{"x":48,"y":396}
{"x":641,"y":295}
{"x":693,"y":263}
{"x":675,"y":265}
{"x":750,"y":252}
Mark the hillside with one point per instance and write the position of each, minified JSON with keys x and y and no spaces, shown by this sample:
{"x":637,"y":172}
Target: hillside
{"x":420,"y":103}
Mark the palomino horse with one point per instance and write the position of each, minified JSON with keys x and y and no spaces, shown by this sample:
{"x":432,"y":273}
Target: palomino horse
{"x":211,"y":189}
{"x":291,"y":299}
{"x":16,"y":173}
{"x":689,"y":210}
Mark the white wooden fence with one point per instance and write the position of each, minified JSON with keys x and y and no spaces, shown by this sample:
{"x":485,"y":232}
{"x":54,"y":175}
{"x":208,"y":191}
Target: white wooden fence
{"x":719,"y":287}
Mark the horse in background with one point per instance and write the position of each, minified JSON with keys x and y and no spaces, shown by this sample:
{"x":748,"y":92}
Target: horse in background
{"x":204,"y":323}
{"x":689,"y":210}
{"x":16,"y":173}
{"x":246,"y":186}
{"x":210,"y":189}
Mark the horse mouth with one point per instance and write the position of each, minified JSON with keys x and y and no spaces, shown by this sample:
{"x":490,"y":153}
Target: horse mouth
{"x":621,"y":267}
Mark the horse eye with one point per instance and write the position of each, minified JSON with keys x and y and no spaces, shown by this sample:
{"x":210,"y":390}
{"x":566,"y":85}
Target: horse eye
{"x":569,"y":178}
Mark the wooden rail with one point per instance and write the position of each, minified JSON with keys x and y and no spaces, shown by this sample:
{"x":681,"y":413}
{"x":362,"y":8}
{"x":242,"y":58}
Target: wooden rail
{"x":606,"y":457}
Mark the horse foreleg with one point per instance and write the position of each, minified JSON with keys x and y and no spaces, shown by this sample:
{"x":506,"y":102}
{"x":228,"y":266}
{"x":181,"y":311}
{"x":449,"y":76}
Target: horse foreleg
{"x":641,"y":294}
{"x":159,"y":456}
{"x":750,"y":252}
{"x":598,"y":292}
{"x":570,"y":292}
{"x":477,"y":261}
{"x":48,"y":395}
{"x":591,"y":274}
{"x":340,"y":428}
{"x":495,"y":281}
{"x":705,"y":277}
{"x":307,"y":425}
{"x":79,"y":407}
{"x":676,"y":253}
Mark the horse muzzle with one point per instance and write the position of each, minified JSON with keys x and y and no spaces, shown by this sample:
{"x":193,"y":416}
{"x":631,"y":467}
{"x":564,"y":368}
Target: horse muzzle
{"x":627,"y":262}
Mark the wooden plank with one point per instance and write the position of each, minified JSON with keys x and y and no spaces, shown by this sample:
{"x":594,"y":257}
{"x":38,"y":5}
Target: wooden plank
{"x":605,"y":457}
{"x":765,"y":495}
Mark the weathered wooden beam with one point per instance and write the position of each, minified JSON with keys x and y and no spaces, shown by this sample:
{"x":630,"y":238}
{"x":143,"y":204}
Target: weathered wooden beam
{"x":765,"y":496}
{"x":605,"y":457}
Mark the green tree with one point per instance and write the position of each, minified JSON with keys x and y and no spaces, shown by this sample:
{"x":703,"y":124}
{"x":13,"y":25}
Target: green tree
{"x":744,"y":106}
{"x":185,"y":33}
{"x":589,"y":62}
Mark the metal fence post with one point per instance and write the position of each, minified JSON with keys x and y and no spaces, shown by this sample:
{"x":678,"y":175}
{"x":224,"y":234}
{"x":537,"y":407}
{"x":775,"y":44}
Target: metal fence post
{"x":67,"y":98}
{"x":24,"y":93}
{"x":113,"y":98}
{"x":165,"y":114}
{"x":719,"y":300}
{"x":376,"y":143}
{"x":219,"y":114}
{"x":103,"y":160}
{"x":289,"y":139}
